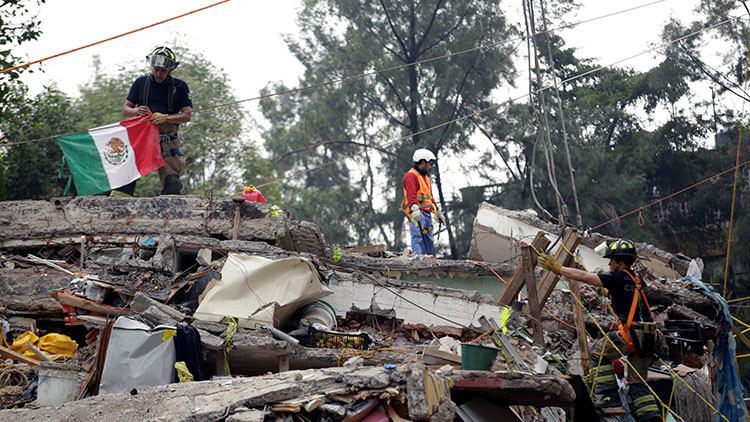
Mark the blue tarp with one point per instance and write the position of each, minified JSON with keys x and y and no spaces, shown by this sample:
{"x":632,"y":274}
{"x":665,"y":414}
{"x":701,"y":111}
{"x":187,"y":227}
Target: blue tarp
{"x":731,"y":402}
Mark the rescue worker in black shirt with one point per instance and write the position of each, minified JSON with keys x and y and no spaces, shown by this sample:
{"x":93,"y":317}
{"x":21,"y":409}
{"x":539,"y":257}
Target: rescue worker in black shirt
{"x":168,"y":98}
{"x":636,"y":334}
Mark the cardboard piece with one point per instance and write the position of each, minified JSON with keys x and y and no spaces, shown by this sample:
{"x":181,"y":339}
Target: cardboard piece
{"x":263,"y":291}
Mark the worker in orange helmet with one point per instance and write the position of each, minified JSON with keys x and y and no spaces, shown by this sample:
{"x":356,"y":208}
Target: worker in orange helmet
{"x":635,"y":336}
{"x":419,"y":204}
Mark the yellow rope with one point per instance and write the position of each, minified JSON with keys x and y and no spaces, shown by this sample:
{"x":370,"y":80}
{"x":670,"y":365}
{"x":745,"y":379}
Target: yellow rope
{"x":740,"y":322}
{"x":656,"y":396}
{"x":671,"y":396}
{"x":492,"y":330}
{"x":598,"y":365}
{"x":734,"y":187}
{"x":674,"y":374}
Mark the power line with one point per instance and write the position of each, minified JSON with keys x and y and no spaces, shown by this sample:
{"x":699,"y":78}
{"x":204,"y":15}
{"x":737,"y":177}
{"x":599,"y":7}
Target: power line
{"x":564,"y":81}
{"x":371,"y":73}
{"x":110,"y":38}
{"x":639,"y":209}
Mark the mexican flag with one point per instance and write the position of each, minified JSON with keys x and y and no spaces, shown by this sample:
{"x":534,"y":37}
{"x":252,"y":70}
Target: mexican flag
{"x":107,"y":157}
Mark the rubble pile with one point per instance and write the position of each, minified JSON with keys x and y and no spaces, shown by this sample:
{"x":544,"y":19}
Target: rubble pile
{"x":191,"y":308}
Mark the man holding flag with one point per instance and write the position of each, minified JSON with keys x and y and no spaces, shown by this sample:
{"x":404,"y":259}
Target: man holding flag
{"x":113,"y":157}
{"x":168,"y":98}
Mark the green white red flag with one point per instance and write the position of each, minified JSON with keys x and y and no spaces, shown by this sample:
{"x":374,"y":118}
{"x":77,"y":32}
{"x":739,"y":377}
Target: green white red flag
{"x":107,"y":157}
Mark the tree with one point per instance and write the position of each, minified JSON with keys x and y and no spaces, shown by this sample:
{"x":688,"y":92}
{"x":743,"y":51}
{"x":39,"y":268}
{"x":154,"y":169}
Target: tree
{"x":35,"y":170}
{"x":343,"y":38}
{"x":15,"y":28}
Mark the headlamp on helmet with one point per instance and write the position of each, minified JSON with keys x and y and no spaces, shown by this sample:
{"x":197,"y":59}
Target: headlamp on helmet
{"x":162,"y":58}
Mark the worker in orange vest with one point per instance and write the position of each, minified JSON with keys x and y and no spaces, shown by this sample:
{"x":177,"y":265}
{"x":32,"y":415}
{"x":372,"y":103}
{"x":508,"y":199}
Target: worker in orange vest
{"x":635,"y":336}
{"x":419,"y":204}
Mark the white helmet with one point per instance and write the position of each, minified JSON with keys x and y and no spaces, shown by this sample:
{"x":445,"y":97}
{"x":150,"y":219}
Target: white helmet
{"x":423,"y":154}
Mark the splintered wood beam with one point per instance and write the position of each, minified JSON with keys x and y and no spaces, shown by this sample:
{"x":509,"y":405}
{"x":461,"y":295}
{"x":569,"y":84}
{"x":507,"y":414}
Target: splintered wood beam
{"x":580,"y":326}
{"x":536,"y":317}
{"x":516,"y":283}
{"x":549,"y":279}
{"x":12,"y":354}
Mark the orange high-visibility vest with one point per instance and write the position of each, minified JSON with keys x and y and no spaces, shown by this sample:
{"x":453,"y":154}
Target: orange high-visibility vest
{"x":424,"y":194}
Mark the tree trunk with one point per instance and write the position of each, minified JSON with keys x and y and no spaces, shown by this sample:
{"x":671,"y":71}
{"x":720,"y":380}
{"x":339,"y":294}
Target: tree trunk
{"x":451,"y":239}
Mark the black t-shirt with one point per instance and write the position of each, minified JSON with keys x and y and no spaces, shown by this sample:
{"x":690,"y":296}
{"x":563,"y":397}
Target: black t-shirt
{"x":622,"y":288}
{"x":158,"y":100}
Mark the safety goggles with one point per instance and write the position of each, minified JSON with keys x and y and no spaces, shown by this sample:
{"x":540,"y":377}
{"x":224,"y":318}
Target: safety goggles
{"x":162,"y":62}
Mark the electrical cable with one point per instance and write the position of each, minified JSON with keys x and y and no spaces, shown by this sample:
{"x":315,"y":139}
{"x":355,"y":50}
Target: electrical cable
{"x":671,"y":195}
{"x":374,"y":72}
{"x":10,"y":69}
{"x":495,"y":106}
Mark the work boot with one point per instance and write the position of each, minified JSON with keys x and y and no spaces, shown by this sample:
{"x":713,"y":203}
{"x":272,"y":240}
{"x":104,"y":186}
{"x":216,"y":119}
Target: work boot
{"x":172,"y":185}
{"x":124,"y":191}
{"x":608,"y":399}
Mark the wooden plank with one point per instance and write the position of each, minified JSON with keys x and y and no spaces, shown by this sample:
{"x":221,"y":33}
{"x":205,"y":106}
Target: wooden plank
{"x":548,"y":280}
{"x":514,"y":286}
{"x":536,"y":317}
{"x":583,"y":343}
{"x":438,"y":354}
{"x":90,"y":305}
{"x":283,"y":363}
{"x":8,"y":353}
{"x":366,"y":249}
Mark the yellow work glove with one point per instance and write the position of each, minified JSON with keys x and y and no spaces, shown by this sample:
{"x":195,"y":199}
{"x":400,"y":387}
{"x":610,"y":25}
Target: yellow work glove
{"x":549,"y":263}
{"x":159,"y":118}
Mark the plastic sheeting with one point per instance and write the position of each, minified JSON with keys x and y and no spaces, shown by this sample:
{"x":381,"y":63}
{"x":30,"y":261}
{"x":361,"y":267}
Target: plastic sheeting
{"x":138,"y":356}
{"x":258,"y":290}
{"x":731,"y":403}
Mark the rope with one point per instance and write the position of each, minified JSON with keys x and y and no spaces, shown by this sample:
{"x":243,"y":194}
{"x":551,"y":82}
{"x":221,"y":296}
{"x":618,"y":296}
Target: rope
{"x":506,"y":283}
{"x":10,"y":69}
{"x":231,"y":330}
{"x":674,"y":375}
{"x":673,"y":194}
{"x":12,"y":376}
{"x":656,"y":396}
{"x":736,"y":173}
{"x":375,"y":72}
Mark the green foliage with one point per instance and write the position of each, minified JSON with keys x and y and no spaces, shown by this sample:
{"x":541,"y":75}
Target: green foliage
{"x":17,"y":26}
{"x":344,"y":38}
{"x":33,"y":170}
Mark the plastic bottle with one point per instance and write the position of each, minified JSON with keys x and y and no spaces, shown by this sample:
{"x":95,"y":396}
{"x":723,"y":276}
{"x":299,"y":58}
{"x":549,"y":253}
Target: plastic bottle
{"x":253,"y":195}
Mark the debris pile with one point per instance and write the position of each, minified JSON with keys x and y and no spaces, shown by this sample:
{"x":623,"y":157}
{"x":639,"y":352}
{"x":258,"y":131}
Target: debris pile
{"x":194,"y":308}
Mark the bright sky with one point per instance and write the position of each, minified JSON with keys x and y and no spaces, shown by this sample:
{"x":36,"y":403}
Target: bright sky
{"x":245,"y":39}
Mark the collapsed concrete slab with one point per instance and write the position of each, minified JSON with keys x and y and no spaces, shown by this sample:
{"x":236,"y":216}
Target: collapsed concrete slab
{"x":28,"y":223}
{"x":498,"y":232}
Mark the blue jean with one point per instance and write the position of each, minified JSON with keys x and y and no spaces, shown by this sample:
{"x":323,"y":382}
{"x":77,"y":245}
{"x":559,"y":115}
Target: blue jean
{"x":422,"y":245}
